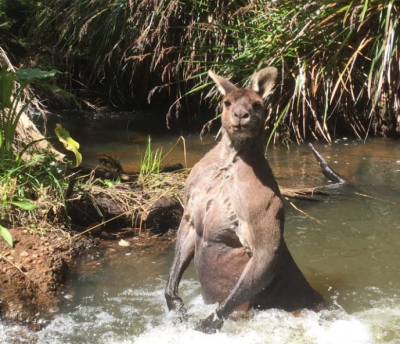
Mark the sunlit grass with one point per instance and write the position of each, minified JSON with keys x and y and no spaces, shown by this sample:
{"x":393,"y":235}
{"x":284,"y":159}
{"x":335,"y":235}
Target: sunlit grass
{"x":339,"y":59}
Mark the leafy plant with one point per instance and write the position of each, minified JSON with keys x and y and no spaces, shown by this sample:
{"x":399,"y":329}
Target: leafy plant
{"x":6,"y":235}
{"x":68,"y":142}
{"x":35,"y":175}
{"x":13,"y":101}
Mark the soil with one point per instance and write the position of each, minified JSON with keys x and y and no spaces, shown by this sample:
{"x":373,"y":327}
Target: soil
{"x":33,"y":273}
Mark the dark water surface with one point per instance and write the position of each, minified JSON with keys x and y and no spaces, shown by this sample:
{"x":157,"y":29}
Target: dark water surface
{"x":352,"y":257}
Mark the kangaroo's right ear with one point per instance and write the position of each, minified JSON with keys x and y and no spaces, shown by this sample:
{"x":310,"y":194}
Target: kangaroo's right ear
{"x":264,"y":81}
{"x":224,"y":86}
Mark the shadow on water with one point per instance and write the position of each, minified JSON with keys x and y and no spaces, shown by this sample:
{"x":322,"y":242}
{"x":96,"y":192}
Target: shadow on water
{"x":351,"y":256}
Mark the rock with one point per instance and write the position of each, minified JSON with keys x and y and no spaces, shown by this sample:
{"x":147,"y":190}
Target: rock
{"x":35,"y":256}
{"x":24,"y":254}
{"x":104,"y":235}
{"x":123,"y":243}
{"x":27,"y":260}
{"x":40,"y":261}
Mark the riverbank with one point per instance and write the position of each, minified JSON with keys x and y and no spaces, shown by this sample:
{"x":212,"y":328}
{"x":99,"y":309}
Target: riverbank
{"x":33,"y":274}
{"x":105,"y":216}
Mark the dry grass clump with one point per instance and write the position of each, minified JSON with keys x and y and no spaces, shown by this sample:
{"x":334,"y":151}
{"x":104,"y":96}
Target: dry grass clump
{"x":133,"y":200}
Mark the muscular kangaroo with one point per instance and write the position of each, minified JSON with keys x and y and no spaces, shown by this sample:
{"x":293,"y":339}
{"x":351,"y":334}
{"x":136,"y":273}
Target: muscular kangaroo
{"x":234,"y":217}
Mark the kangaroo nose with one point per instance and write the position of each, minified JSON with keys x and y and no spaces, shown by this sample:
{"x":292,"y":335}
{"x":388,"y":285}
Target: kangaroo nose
{"x":240,"y":118}
{"x":241,"y":115}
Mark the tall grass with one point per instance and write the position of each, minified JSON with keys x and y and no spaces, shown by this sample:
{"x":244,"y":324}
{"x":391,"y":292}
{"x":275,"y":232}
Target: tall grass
{"x":339,"y":59}
{"x":150,"y":162}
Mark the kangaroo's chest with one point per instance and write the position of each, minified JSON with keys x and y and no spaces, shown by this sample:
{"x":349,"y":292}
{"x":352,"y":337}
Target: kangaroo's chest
{"x":214,"y":210}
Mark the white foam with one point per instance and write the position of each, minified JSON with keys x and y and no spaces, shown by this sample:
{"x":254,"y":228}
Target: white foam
{"x":126,"y":319}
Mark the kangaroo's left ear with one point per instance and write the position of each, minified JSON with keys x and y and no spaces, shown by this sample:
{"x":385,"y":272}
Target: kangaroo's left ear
{"x":264,"y":81}
{"x":224,"y":86}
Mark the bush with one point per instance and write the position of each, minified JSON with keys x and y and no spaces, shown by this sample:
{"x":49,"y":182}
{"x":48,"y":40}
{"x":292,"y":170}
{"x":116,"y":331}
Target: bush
{"x":339,"y":58}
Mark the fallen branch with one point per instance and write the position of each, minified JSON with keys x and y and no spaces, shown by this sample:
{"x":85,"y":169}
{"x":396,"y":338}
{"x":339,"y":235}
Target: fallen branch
{"x":326,"y":170}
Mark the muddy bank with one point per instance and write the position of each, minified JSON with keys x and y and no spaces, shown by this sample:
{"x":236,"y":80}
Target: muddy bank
{"x":33,"y":273}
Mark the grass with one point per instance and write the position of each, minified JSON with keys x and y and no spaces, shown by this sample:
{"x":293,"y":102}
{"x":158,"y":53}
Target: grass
{"x":150,"y":162}
{"x":32,"y":193}
{"x":337,"y":58}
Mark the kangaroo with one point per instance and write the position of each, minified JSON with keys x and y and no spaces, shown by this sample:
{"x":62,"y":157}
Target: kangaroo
{"x":234,"y":219}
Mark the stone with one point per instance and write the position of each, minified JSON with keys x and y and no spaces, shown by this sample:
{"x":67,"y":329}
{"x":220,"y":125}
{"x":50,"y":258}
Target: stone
{"x":24,"y":254}
{"x":104,"y":235}
{"x":123,"y":243}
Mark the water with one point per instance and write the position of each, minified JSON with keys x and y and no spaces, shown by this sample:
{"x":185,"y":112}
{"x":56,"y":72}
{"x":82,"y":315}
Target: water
{"x":352,"y":257}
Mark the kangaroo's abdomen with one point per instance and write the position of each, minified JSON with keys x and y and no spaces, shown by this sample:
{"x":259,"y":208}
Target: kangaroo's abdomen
{"x":219,"y":267}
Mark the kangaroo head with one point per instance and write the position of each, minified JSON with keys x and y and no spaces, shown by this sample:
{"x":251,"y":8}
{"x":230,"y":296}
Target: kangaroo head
{"x":243,"y":114}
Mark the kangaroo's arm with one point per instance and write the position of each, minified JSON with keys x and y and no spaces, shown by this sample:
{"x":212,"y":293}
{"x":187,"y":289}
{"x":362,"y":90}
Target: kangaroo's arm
{"x":263,"y":237}
{"x":184,"y":253}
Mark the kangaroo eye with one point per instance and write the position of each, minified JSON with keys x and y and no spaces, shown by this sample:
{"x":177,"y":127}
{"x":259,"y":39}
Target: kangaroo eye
{"x":227,"y":103}
{"x":257,"y":105}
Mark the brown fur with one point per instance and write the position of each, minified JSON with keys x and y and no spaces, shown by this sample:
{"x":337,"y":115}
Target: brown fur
{"x":234,"y":218}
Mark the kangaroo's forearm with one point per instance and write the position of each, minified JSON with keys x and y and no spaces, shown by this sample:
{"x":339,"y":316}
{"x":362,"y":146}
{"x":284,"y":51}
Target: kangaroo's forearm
{"x":257,"y":275}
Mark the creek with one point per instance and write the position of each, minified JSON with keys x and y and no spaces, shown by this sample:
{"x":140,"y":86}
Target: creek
{"x":351,"y":256}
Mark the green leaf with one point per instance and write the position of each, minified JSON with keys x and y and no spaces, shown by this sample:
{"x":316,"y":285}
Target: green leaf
{"x":28,"y":75}
{"x":23,"y":205}
{"x":6,"y":87}
{"x":68,"y":142}
{"x":6,"y":235}
{"x":56,"y":89}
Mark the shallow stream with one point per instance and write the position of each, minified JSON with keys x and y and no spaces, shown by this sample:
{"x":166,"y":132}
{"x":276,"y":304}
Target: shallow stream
{"x":349,"y":251}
